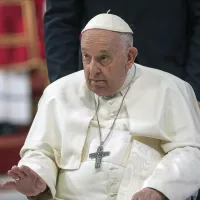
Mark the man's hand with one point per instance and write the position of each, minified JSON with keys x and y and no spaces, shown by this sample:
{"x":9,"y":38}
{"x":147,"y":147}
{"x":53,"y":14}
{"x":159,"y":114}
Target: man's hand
{"x":26,"y":181}
{"x":148,"y":194}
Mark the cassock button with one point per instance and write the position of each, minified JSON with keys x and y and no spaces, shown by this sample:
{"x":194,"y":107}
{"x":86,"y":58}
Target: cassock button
{"x":113,"y":195}
{"x":111,"y":102}
{"x":113,"y":168}
{"x":112,"y":114}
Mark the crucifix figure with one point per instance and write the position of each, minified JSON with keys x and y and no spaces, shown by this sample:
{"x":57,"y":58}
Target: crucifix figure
{"x":98,"y":156}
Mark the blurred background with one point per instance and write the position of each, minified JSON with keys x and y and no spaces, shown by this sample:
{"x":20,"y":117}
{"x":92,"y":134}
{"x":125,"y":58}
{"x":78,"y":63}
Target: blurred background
{"x":23,"y":77}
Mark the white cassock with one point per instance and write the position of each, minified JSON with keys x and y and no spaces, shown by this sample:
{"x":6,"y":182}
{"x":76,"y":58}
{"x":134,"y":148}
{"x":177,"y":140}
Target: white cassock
{"x":155,"y":142}
{"x":15,"y":98}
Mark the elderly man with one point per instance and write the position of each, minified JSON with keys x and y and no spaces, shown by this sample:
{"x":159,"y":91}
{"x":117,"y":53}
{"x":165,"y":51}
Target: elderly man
{"x":123,"y":131}
{"x":176,"y":51}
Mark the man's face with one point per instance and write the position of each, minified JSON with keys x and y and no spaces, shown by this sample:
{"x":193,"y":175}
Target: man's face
{"x":105,"y":65}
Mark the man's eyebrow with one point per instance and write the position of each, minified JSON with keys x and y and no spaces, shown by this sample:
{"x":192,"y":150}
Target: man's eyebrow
{"x":103,"y":51}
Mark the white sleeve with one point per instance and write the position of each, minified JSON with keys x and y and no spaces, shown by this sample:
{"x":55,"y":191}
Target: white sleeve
{"x":177,"y":176}
{"x":40,"y":149}
{"x":43,"y":164}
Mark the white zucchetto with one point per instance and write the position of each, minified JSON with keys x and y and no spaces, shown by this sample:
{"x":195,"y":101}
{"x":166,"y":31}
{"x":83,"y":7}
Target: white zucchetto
{"x":109,"y":22}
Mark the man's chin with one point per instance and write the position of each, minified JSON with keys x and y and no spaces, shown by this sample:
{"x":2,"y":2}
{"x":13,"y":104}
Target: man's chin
{"x":100,"y":91}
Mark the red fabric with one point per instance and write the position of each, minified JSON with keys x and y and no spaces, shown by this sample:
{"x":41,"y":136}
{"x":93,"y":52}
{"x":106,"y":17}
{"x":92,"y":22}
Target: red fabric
{"x":9,"y":150}
{"x":39,"y":4}
{"x":11,"y":22}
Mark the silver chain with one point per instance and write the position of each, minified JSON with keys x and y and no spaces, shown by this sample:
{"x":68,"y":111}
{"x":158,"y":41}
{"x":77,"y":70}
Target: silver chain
{"x":97,"y":108}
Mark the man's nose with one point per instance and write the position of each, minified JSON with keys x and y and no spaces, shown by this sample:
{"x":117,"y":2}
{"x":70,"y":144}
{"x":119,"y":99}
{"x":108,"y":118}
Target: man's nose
{"x":94,"y":68}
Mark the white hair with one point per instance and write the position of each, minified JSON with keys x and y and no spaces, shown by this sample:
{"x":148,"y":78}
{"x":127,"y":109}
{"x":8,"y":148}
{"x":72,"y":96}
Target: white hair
{"x":126,"y":41}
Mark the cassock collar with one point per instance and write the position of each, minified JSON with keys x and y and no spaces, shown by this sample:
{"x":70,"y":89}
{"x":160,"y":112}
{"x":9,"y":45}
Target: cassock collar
{"x":129,"y":80}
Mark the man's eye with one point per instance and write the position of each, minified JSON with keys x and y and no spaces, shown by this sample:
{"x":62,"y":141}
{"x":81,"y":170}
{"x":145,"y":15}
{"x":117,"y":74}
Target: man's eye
{"x":85,"y":56}
{"x":103,"y":58}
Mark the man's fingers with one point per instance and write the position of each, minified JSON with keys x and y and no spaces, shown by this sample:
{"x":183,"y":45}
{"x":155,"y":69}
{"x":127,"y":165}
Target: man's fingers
{"x":18,"y":172}
{"x":29,"y":172}
{"x":40,"y":184}
{"x":13,"y":175}
{"x":137,"y":196}
{"x":9,"y":184}
{"x":26,"y":170}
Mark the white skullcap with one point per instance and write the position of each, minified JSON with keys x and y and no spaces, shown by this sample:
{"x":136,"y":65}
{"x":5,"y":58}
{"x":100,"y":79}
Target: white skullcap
{"x":109,"y":22}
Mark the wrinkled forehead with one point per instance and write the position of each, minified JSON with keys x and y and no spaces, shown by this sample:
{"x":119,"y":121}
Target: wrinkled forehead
{"x":99,"y":39}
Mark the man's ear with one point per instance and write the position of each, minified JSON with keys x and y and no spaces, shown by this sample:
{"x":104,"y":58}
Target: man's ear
{"x":132,"y":54}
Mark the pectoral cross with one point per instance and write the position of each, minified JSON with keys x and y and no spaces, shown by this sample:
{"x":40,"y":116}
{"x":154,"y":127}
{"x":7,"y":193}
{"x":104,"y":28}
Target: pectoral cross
{"x":98,"y":156}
